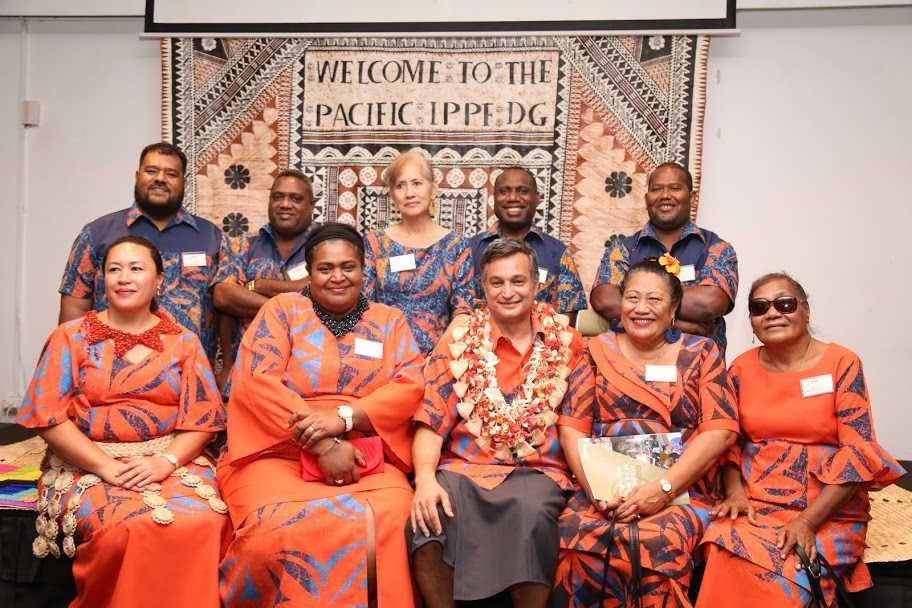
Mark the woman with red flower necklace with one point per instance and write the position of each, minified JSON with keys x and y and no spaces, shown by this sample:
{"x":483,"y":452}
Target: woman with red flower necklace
{"x":126,"y":401}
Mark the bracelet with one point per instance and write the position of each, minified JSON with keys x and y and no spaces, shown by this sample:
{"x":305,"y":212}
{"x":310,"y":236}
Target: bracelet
{"x":336,"y":441}
{"x":251,"y":285}
{"x":170,"y":458}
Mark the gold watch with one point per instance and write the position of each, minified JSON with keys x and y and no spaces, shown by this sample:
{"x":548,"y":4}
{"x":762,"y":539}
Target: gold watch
{"x":251,"y":285}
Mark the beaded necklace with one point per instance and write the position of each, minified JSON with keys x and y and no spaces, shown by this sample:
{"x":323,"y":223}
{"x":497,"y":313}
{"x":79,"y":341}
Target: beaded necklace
{"x":338,"y":326}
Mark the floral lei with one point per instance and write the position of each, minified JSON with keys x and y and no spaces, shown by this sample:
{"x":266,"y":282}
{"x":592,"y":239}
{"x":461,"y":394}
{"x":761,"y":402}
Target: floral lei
{"x":515,"y":429}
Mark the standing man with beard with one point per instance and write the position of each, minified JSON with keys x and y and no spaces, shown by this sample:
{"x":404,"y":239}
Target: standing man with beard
{"x":269,"y":263}
{"x":515,"y":201}
{"x":709,"y":267}
{"x":193,"y":249}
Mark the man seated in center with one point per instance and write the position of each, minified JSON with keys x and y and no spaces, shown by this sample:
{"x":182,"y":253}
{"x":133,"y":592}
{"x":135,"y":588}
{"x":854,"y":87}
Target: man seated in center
{"x":490,"y":477}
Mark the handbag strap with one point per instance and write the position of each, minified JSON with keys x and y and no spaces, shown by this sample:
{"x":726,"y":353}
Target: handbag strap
{"x":815,"y":569}
{"x":610,"y":536}
{"x":636,"y":570}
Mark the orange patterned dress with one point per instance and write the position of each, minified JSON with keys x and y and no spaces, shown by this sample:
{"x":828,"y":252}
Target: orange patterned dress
{"x":792,"y":447}
{"x":307,"y":543}
{"x":611,"y":398}
{"x":123,"y":556}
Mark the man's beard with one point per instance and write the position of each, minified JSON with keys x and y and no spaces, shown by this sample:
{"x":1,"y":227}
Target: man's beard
{"x":158,"y":211}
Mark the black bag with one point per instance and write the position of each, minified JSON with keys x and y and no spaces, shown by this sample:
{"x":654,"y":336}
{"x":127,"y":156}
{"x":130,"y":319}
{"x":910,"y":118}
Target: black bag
{"x":815,"y":569}
{"x":636,"y":570}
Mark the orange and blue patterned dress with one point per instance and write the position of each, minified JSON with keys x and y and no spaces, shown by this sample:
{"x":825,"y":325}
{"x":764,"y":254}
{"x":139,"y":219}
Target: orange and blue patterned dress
{"x":792,"y":448}
{"x":123,"y":557}
{"x":441,"y":283}
{"x":306,"y":543}
{"x":612,"y":398}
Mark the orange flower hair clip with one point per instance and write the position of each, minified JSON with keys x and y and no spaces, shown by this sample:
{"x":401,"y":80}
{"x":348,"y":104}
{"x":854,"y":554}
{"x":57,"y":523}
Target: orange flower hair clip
{"x":670,"y":263}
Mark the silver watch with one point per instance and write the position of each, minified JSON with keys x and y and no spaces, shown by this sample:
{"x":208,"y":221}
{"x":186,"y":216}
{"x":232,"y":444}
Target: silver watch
{"x":665,"y":485}
{"x":345,"y":413}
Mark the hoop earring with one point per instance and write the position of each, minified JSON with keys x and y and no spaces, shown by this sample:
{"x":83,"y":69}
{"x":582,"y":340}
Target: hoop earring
{"x":672,"y":334}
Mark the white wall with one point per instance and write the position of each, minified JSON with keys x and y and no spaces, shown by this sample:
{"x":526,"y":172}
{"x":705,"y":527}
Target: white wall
{"x":10,"y":155}
{"x":804,"y":169}
{"x":99,"y":86}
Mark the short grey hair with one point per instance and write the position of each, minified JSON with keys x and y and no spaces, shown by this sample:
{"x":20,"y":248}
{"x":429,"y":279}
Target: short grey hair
{"x":503,"y":248}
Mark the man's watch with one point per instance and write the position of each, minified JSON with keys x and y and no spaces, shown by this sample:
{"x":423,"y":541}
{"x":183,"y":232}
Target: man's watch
{"x":345,"y":413}
{"x":666,"y":486}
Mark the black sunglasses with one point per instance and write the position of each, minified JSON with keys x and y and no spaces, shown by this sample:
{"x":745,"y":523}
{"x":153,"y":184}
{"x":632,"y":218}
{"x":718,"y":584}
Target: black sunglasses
{"x":783,"y":304}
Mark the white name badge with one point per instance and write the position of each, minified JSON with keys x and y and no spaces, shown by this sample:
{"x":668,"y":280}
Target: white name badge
{"x":688,"y":273}
{"x":368,"y":348}
{"x":297,"y":272}
{"x":193,"y":259}
{"x":817,"y":385}
{"x":661,"y":373}
{"x":398,"y":263}
{"x":542,"y":275}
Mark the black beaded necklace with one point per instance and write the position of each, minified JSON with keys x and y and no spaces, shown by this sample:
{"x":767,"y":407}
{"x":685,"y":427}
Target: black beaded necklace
{"x":338,"y":327}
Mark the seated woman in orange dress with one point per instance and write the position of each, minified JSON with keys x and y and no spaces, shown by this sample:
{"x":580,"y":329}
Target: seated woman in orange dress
{"x":126,"y":401}
{"x":645,"y":380}
{"x":318,"y":375}
{"x":807,"y":460}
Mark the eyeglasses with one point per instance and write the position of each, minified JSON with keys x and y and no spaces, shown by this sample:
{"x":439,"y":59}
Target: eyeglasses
{"x":783,"y":304}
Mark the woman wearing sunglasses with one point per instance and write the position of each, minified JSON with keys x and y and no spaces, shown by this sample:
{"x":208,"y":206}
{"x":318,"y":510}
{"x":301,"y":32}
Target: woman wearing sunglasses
{"x":807,"y":459}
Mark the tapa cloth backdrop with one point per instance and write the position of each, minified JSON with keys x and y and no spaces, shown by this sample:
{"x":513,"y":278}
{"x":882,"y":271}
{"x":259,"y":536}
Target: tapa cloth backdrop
{"x":589,"y":116}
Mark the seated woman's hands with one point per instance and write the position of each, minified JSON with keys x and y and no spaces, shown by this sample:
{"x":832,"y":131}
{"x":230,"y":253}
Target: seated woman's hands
{"x":644,"y":500}
{"x":733,"y":506}
{"x":797,"y":532}
{"x":138,"y":472}
{"x":339,"y":462}
{"x":311,"y":426}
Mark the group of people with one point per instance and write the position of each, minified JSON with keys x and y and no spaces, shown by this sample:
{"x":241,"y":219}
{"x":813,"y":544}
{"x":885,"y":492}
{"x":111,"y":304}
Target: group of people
{"x":405,"y":412}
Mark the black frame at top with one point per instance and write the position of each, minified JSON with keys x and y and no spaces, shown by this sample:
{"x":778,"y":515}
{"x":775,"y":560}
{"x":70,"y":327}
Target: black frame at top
{"x":442,"y":28}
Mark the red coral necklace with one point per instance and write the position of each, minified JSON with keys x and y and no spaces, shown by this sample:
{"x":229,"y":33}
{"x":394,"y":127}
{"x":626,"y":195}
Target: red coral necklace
{"x":95,"y":330}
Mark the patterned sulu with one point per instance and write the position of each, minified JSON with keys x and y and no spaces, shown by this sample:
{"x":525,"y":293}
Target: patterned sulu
{"x":612,"y":398}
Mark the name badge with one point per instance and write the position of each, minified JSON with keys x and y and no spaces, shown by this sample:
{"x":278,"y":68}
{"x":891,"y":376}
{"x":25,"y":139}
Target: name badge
{"x":368,"y":348}
{"x":661,"y":373}
{"x":398,"y":263}
{"x":542,"y":275}
{"x":193,"y":259}
{"x":297,"y":272}
{"x":688,"y":273}
{"x":816,"y":385}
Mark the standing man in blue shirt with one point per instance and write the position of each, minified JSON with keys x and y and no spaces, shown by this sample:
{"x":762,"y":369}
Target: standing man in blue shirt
{"x":270,"y":262}
{"x":515,"y":201}
{"x":709,"y":266}
{"x":194,"y":250}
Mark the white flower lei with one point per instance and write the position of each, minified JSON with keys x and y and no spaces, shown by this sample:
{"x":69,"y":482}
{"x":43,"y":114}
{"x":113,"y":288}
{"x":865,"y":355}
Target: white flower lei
{"x":510,"y":430}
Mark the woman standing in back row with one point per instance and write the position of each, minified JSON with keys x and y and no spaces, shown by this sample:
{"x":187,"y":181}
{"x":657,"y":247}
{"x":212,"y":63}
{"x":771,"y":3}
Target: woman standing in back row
{"x":417,"y":265}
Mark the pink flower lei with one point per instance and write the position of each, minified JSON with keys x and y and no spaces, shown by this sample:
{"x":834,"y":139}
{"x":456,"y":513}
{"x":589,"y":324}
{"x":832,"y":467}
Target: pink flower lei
{"x":515,"y":429}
